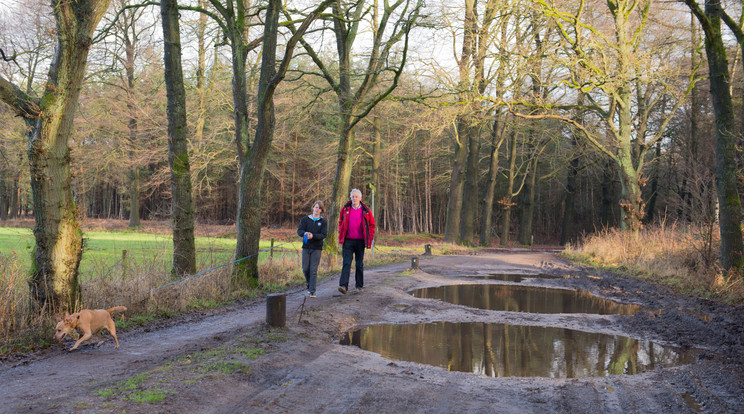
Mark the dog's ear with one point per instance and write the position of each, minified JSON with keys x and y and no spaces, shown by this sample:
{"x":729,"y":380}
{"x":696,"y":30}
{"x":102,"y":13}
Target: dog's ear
{"x":59,"y":318}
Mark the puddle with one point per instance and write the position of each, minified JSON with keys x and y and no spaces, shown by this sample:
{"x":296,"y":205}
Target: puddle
{"x":500,"y":350}
{"x":525,"y":299}
{"x":511,"y":277}
{"x":692,"y":402}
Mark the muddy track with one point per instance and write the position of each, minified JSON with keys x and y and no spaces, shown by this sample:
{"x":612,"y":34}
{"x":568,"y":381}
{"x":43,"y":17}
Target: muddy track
{"x":307,"y":371}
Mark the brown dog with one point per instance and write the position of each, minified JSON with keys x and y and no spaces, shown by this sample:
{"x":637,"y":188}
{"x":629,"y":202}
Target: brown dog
{"x":87,"y":322}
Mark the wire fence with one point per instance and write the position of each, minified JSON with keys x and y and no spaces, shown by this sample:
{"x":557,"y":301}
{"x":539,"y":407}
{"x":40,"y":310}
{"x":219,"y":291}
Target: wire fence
{"x":216,"y":267}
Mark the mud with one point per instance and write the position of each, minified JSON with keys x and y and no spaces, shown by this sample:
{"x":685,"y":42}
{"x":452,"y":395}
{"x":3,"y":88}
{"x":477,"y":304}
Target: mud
{"x":227,"y":361}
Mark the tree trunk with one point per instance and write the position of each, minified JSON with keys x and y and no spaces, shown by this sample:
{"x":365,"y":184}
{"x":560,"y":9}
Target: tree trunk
{"x":568,"y":228}
{"x":470,"y":202}
{"x":506,"y":202}
{"x":252,"y":170}
{"x":54,"y":280}
{"x":134,"y":173}
{"x":14,"y":196}
{"x":341,"y":180}
{"x":134,"y":201}
{"x":457,"y":182}
{"x":201,"y":68}
{"x":376,"y":155}
{"x":651,"y":208}
{"x":497,"y":138}
{"x":605,"y":209}
{"x":4,"y":199}
{"x":729,"y":213}
{"x":464,"y":125}
{"x":527,"y":209}
{"x":184,"y":251}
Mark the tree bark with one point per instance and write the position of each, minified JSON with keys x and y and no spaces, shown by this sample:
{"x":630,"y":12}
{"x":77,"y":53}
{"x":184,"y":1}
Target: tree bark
{"x":605,"y":209}
{"x":497,"y":139}
{"x":134,"y":173}
{"x":376,"y":155}
{"x":470,"y":187}
{"x":252,"y":169}
{"x":729,"y":204}
{"x":527,"y":207}
{"x":14,"y":199}
{"x":457,"y":182}
{"x":506,"y":202}
{"x":4,"y":199}
{"x":54,"y":280}
{"x":184,"y":251}
{"x":651,"y":207}
{"x":568,"y":227}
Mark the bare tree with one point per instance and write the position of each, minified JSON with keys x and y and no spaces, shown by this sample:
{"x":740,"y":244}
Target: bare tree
{"x":610,"y":59}
{"x":182,"y":208}
{"x":372,"y":86}
{"x":54,"y":282}
{"x":252,"y":169}
{"x":729,"y":214}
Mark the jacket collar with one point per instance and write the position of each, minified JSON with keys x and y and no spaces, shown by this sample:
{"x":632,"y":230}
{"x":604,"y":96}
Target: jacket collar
{"x":364,"y":208}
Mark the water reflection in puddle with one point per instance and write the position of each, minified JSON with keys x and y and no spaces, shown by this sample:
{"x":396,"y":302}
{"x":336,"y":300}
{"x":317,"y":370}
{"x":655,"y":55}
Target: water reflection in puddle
{"x":525,"y":299}
{"x":500,"y":350}
{"x":511,"y":277}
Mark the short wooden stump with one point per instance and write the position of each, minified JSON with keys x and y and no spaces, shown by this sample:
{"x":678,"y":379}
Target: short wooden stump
{"x":276,"y":310}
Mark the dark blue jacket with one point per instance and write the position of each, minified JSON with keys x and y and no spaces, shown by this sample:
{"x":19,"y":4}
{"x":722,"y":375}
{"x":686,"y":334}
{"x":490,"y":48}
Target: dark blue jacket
{"x":318,"y":228}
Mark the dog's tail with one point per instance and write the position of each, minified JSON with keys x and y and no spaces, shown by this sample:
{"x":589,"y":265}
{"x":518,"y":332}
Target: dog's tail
{"x":116,"y":309}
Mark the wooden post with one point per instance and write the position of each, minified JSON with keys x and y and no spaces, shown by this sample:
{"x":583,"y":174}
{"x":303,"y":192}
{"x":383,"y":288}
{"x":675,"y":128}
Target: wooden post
{"x":414,"y":263}
{"x":271,"y":251}
{"x":276,"y":310}
{"x":427,"y":250}
{"x":124,"y":264}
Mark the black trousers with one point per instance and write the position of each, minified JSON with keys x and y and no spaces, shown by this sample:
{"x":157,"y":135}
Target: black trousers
{"x":352,"y":248}
{"x":310,"y":262}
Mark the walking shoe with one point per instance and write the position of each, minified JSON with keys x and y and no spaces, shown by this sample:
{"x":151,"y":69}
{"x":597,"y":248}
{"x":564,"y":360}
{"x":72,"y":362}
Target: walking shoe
{"x":312,"y":295}
{"x":342,"y":289}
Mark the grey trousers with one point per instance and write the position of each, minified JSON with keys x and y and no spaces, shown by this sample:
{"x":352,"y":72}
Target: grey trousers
{"x":310,"y":262}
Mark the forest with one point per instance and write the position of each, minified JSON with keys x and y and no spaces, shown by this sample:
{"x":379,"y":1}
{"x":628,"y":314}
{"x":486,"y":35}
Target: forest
{"x":499,"y":122}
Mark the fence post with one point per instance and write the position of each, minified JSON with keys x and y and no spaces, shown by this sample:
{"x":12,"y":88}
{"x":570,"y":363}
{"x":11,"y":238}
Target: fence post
{"x":124,"y":264}
{"x":271,"y":252}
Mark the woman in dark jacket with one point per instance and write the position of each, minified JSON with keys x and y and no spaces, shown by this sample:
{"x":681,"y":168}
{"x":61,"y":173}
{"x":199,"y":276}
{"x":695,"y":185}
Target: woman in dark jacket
{"x":313,"y":230}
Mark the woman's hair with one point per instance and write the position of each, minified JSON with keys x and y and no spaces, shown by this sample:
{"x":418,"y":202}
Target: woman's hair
{"x":319,"y":204}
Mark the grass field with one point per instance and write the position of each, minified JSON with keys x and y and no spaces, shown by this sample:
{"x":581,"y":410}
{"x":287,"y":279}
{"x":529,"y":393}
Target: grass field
{"x":104,"y":249}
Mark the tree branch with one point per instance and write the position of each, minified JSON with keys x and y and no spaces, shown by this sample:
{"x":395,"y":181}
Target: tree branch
{"x":593,"y":140}
{"x":22,"y":104}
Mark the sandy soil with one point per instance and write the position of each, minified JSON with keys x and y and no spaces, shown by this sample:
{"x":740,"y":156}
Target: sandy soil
{"x":227,"y":361}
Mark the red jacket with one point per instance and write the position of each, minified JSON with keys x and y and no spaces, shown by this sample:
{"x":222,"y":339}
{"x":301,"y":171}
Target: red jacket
{"x":368,"y":224}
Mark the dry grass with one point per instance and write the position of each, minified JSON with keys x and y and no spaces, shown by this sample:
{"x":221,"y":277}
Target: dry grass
{"x":682,"y":258}
{"x":139,"y":283}
{"x":11,"y":297}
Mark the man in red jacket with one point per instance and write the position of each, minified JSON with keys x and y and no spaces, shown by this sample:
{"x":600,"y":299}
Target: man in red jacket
{"x":356,"y":230}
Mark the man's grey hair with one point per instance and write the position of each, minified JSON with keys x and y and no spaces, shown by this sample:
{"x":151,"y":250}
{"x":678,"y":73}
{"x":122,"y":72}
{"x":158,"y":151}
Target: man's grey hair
{"x":356,"y":190}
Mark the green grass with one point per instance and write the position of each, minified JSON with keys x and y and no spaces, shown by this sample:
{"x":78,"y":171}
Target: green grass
{"x":105,"y":393}
{"x":104,"y":249}
{"x":148,"y":395}
{"x":226,"y":367}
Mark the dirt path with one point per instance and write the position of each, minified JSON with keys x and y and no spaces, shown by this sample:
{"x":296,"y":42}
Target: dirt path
{"x":225,"y":361}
